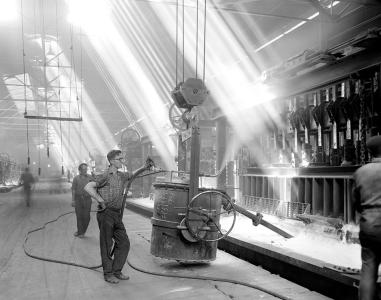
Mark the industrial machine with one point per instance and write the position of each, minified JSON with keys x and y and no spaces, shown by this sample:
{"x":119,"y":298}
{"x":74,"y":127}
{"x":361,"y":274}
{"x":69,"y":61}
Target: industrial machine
{"x":186,"y":219}
{"x":324,"y":125}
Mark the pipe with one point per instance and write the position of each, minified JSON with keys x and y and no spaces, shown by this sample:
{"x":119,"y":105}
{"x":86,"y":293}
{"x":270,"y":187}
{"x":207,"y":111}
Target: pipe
{"x":258,"y":219}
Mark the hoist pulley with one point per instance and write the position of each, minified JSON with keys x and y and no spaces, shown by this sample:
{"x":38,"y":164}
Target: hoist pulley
{"x":190,"y":93}
{"x":194,"y":91}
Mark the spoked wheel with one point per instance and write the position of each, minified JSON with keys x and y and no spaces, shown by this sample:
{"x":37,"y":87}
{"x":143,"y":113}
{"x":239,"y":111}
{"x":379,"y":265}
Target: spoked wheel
{"x":203,"y":220}
{"x":178,"y":121}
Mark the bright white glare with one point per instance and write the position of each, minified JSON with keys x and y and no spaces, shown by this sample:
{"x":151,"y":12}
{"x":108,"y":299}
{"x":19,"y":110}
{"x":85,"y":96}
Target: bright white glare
{"x":270,"y":42}
{"x":91,"y":133}
{"x":313,"y":16}
{"x":88,"y":13}
{"x":134,"y":79}
{"x":252,"y":95}
{"x":293,"y":28}
{"x":8,"y":10}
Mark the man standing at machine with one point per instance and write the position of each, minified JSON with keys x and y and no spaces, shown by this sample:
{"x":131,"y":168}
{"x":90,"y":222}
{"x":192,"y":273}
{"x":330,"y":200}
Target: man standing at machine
{"x":81,"y":200}
{"x":109,"y":189}
{"x":367,"y":197}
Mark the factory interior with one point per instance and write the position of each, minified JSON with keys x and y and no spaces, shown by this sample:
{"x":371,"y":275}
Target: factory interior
{"x":254,"y":114}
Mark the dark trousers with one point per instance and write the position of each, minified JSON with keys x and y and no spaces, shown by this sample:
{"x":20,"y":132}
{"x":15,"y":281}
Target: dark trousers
{"x":111,"y":228}
{"x":82,"y":211}
{"x":27,"y":195}
{"x":371,"y":259}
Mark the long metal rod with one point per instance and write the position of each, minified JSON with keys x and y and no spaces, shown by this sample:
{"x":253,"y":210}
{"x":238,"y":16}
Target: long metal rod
{"x":194,"y":163}
{"x":240,"y":12}
{"x":34,"y":100}
{"x":30,"y":85}
{"x":43,"y":45}
{"x":53,"y":118}
{"x":261,"y":14}
{"x":54,"y":57}
{"x":360,"y":2}
{"x":268,"y":225}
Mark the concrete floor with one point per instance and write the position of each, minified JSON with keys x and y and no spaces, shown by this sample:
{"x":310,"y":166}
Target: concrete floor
{"x":22,"y":277}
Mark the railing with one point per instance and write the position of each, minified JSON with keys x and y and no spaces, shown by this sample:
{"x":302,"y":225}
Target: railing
{"x":285,"y":209}
{"x":9,"y":170}
{"x":327,"y":195}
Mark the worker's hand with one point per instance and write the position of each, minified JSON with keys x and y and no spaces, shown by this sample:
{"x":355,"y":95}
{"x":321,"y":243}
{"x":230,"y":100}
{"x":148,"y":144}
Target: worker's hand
{"x":73,"y":203}
{"x":149,"y":163}
{"x":101,"y":206}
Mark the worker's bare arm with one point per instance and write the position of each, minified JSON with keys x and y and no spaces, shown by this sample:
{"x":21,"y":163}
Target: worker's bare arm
{"x":91,"y":189}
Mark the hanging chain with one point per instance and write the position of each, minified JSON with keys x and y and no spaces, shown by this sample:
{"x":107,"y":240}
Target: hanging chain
{"x":59,"y":87}
{"x":177,"y":37}
{"x":24,"y":71}
{"x":203,"y":68}
{"x":183,"y":41}
{"x":363,"y":127}
{"x":196,"y":37}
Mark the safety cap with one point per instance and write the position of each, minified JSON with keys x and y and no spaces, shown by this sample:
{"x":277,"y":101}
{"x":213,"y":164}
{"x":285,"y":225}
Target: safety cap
{"x":374,"y":145}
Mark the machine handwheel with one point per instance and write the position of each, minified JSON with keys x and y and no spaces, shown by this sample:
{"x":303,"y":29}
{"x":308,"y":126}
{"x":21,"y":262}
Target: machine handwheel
{"x":177,"y":120}
{"x":201,"y":220}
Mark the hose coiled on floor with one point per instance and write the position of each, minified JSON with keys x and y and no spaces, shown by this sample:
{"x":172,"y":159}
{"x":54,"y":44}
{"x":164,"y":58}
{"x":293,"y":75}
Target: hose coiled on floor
{"x":94,"y":268}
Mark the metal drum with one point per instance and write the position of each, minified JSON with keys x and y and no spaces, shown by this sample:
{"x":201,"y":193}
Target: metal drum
{"x":169,"y":238}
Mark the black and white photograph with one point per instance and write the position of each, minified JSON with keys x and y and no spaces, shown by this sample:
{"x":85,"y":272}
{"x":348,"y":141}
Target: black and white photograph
{"x":190,"y":149}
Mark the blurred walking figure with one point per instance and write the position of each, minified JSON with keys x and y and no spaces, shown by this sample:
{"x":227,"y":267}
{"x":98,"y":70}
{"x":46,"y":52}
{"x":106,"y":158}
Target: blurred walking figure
{"x":367,"y":197}
{"x":27,"y":180}
{"x":81,"y":200}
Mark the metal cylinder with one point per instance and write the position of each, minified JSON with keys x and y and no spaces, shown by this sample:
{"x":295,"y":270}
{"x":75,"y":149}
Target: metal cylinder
{"x":301,"y":189}
{"x":308,"y":191}
{"x":170,"y":208}
{"x":265,"y":187}
{"x":338,"y":198}
{"x":317,"y":196}
{"x":294,"y":189}
{"x":253,"y":190}
{"x":258,"y":186}
{"x":270,"y":187}
{"x":327,"y":200}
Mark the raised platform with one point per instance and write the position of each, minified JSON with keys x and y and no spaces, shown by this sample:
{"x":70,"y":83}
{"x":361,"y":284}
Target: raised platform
{"x":310,"y":273}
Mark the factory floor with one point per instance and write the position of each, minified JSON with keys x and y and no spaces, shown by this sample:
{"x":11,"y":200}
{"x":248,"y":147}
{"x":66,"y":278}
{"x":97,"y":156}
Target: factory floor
{"x":310,"y":242}
{"x":22,"y":277}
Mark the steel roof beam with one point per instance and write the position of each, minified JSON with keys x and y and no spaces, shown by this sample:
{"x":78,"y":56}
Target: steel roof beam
{"x":236,"y":11}
{"x":359,"y":2}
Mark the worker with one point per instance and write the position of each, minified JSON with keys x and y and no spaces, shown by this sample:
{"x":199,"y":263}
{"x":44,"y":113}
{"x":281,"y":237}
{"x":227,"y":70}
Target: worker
{"x":81,"y":200}
{"x":27,"y":181}
{"x":109,"y":189}
{"x":367,"y":201}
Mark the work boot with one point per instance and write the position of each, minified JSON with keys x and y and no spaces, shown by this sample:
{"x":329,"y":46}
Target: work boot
{"x":111,"y":279}
{"x":121,"y":276}
{"x":76,"y":233}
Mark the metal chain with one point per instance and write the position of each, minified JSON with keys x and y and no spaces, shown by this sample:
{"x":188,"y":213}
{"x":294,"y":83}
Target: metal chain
{"x":363,"y":127}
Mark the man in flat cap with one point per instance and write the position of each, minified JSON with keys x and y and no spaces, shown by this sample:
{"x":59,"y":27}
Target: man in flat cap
{"x":367,"y":201}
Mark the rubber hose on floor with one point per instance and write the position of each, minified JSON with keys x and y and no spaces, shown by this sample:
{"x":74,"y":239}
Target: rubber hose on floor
{"x":50,"y":259}
{"x":197,"y":277}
